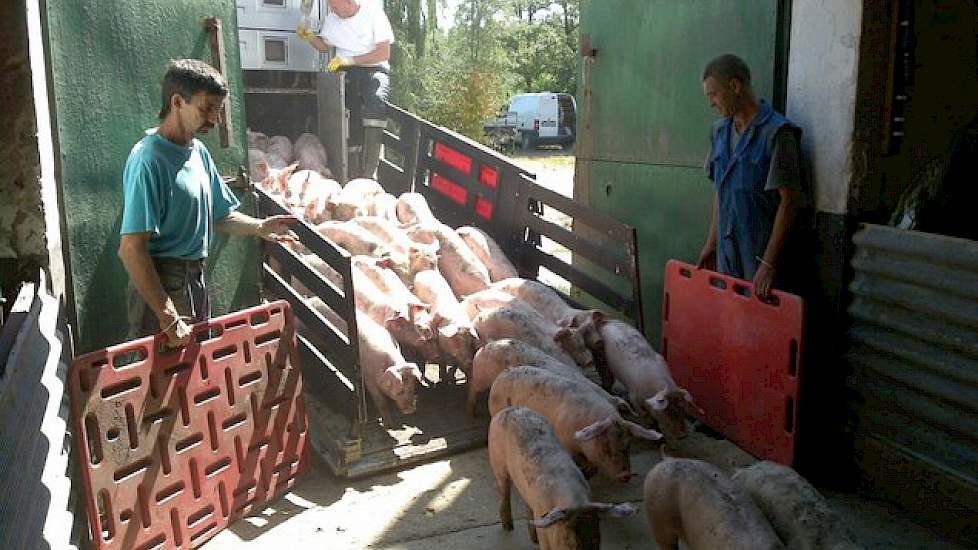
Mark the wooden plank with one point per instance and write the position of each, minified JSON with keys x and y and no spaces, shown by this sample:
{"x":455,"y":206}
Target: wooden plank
{"x":579,"y":279}
{"x":215,"y":31}
{"x":313,"y":280}
{"x":337,"y":346}
{"x":601,"y":254}
{"x":470,"y":183}
{"x":581,"y":213}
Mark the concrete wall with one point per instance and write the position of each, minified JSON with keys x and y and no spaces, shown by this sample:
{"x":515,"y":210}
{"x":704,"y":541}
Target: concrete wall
{"x":106,"y":61}
{"x":22,"y":242}
{"x":822,"y":70}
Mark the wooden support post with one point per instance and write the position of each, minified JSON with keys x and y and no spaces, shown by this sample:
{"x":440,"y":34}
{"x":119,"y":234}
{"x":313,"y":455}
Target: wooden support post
{"x":215,"y":31}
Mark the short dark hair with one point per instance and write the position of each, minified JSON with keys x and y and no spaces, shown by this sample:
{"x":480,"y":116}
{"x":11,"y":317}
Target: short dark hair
{"x":187,"y":77}
{"x":726,"y":68}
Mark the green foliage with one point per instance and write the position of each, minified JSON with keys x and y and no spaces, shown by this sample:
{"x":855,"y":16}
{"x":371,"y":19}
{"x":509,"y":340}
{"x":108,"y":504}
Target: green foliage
{"x":459,"y":77}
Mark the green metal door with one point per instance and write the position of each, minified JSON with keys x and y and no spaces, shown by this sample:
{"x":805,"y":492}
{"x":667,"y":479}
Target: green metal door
{"x":644,"y":129}
{"x":106,"y":59}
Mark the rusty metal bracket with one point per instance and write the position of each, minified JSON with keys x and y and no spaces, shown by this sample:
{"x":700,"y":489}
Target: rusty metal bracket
{"x":215,"y":30}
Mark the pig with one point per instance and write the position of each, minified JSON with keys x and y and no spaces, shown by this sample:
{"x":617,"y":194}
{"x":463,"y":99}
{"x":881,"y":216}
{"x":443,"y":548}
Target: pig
{"x":455,"y":335}
{"x":397,"y":291}
{"x":487,"y":300}
{"x":353,"y":200}
{"x":383,"y":205}
{"x":495,"y":357}
{"x":799,"y":514}
{"x":355,"y":239}
{"x":275,"y":161}
{"x":310,"y":154}
{"x":524,"y":451}
{"x":257,"y":140}
{"x":276,"y":179}
{"x":459,"y":265}
{"x":408,"y":256}
{"x":645,"y":375}
{"x":486,"y":249}
{"x":521,"y":322}
{"x":317,"y":198}
{"x":281,"y":146}
{"x":543,"y":298}
{"x":386,"y":374}
{"x":695,"y":502}
{"x":257,"y":165}
{"x":412,"y":208}
{"x":395,"y":316}
{"x":586,"y":423}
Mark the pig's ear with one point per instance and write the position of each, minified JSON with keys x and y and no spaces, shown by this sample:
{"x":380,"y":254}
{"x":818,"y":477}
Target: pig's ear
{"x":640,"y":432}
{"x":689,"y":405}
{"x":657,"y":403}
{"x":594,"y":430}
{"x":551,"y":517}
{"x":613,"y":510}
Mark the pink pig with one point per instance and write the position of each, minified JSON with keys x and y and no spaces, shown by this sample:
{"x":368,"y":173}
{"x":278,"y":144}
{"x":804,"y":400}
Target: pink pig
{"x":585,"y":422}
{"x":525,"y":452}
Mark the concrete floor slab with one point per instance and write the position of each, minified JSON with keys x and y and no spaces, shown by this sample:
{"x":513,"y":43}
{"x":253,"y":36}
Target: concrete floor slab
{"x":452,"y":503}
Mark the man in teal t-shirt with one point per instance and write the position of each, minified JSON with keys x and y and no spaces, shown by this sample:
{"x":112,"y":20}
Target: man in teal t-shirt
{"x":174,"y":199}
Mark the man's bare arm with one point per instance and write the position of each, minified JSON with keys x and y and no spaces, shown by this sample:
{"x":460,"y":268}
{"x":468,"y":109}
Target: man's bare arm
{"x":274,"y":228}
{"x":134,"y":253}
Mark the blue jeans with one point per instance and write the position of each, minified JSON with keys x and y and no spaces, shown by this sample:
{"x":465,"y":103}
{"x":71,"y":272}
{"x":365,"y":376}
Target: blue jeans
{"x":183,"y":281}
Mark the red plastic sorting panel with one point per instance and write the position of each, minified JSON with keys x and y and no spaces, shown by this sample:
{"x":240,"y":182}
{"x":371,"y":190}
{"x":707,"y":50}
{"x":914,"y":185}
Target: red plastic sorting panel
{"x":489,"y":176}
{"x":455,"y":192}
{"x":739,"y":356}
{"x":176,"y":445}
{"x":453,"y":158}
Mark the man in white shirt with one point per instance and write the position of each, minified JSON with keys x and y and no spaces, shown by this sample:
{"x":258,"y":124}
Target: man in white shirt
{"x":362,"y":36}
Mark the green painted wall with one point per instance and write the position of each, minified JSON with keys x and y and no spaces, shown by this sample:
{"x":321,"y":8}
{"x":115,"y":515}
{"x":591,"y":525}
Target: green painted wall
{"x":644,"y":125}
{"x":107,"y":58}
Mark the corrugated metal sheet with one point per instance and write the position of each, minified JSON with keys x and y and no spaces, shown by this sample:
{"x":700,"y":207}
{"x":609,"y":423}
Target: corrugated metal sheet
{"x":35,"y":484}
{"x":914,"y":354}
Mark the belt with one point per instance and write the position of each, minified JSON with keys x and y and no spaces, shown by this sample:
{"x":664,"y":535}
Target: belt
{"x":180,"y":262}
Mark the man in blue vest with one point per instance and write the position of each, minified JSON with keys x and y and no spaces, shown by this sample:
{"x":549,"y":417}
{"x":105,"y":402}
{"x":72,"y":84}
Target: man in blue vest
{"x":753,"y":163}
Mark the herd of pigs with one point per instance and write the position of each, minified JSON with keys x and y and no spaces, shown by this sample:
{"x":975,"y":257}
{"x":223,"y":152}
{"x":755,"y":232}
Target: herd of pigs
{"x":451,"y":297}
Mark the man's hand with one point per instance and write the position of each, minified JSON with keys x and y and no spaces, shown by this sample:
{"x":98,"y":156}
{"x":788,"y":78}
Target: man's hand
{"x":338,"y":62}
{"x":176,"y":329}
{"x":708,"y":259}
{"x":276,"y":228}
{"x":763,"y":280}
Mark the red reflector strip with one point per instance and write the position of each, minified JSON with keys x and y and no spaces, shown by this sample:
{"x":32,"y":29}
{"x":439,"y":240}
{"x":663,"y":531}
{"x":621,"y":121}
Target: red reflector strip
{"x":483,"y":208}
{"x":453,"y":158}
{"x":449,"y":188}
{"x":489,"y":176}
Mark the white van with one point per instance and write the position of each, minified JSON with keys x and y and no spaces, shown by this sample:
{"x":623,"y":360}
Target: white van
{"x":539,"y":119}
